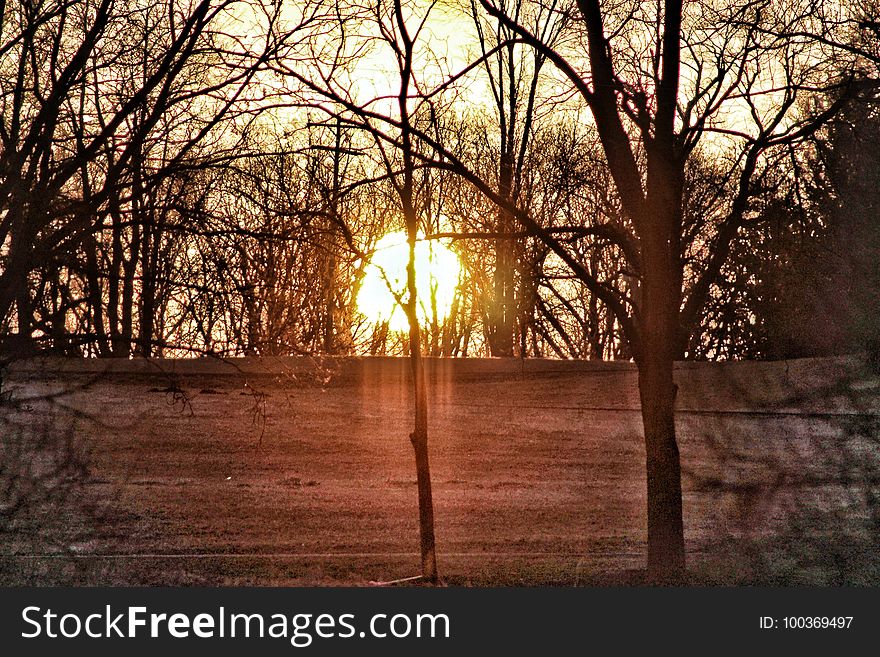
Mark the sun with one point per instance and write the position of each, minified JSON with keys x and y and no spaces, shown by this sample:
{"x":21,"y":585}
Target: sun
{"x":437,"y":275}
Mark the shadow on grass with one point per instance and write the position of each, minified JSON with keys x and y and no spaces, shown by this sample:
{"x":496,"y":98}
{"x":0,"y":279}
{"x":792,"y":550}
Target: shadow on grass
{"x":794,"y":497}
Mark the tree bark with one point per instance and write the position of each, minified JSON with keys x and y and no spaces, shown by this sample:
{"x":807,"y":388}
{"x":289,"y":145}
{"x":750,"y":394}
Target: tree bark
{"x":147,"y":319}
{"x":666,"y":556}
{"x":660,"y":299}
{"x":419,"y":436}
{"x":95,"y":297}
{"x":501,"y":306}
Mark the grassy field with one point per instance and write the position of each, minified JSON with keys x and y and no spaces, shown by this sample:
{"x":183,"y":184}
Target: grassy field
{"x":300,"y":471}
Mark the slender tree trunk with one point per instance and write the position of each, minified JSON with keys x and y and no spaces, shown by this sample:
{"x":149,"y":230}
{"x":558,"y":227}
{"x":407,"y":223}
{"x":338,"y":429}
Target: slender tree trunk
{"x":25,"y":314}
{"x":329,"y":324}
{"x":594,"y":329}
{"x":330,"y":284}
{"x":419,"y":436}
{"x":114,"y":280}
{"x":129,"y":269}
{"x":95,"y":297}
{"x":150,"y":243}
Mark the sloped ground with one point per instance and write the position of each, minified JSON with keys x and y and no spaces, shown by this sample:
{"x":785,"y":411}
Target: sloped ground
{"x":300,"y":471}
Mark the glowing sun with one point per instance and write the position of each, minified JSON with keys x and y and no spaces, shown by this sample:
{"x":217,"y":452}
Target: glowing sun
{"x":437,"y":274}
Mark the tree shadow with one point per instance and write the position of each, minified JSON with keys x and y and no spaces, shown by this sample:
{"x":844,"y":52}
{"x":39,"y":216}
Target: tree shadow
{"x":788,"y":484}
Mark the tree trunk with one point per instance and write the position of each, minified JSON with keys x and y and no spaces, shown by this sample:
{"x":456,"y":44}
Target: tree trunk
{"x":329,"y":327}
{"x":129,"y":269}
{"x":666,"y":558}
{"x":95,"y":296}
{"x":150,"y":244}
{"x":25,"y":314}
{"x":658,"y":299}
{"x":419,"y":436}
{"x":502,"y":309}
{"x":14,"y":284}
{"x":113,"y":281}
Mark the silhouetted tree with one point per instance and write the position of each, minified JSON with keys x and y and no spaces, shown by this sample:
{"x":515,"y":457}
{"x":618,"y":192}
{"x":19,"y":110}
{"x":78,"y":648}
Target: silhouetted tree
{"x":652,"y":108}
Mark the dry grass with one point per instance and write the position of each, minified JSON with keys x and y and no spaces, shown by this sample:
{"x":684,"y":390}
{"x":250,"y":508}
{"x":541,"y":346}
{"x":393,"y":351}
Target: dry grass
{"x":295,"y":473}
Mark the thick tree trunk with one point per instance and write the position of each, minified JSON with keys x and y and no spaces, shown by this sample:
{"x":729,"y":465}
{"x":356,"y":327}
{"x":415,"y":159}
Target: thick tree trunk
{"x":659,"y":304}
{"x":666,"y":556}
{"x":503,"y":305}
{"x":14,"y":286}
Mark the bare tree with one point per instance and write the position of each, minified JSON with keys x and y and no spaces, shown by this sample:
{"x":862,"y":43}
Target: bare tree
{"x":401,"y":38}
{"x":109,"y":100}
{"x":513,"y":73}
{"x":652,"y":107}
